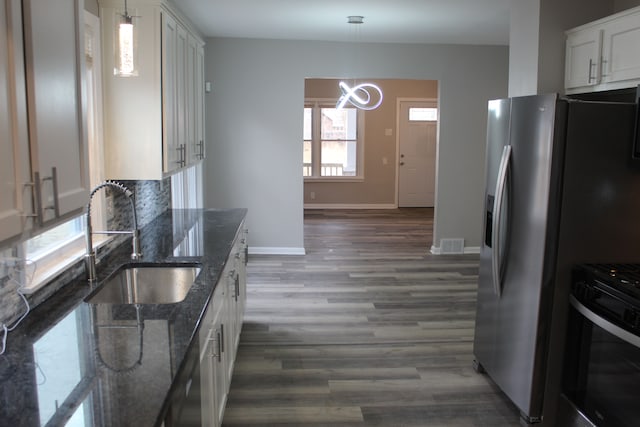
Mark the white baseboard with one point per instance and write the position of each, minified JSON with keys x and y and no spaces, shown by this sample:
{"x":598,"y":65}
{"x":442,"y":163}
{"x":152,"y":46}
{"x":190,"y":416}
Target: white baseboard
{"x":348,"y":206}
{"x":436,"y":250}
{"x":265,"y":250}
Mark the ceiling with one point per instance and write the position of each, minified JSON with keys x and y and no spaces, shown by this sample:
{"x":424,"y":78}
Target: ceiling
{"x":385,"y":21}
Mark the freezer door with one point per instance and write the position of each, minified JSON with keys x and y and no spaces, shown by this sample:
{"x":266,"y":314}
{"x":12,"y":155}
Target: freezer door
{"x":507,"y":319}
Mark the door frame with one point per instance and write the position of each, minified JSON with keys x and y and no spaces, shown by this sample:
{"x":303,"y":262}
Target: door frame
{"x":397,"y":184}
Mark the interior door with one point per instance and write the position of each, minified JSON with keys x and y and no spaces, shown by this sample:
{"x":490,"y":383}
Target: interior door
{"x":417,"y":136}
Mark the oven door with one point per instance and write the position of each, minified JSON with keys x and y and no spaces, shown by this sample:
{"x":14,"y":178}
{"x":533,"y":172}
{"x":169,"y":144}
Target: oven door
{"x":602,"y":370}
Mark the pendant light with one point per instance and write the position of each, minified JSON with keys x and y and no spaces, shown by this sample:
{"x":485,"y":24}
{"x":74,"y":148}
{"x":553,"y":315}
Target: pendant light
{"x":365,"y":96}
{"x":126,"y":64}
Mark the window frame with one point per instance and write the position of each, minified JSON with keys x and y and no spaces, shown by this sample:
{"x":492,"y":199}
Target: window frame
{"x":316,"y":104}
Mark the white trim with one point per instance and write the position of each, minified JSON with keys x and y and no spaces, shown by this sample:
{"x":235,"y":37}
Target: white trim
{"x":349,"y":206}
{"x":46,"y":271}
{"x":399,"y":101}
{"x":437,"y":250}
{"x":265,"y":250}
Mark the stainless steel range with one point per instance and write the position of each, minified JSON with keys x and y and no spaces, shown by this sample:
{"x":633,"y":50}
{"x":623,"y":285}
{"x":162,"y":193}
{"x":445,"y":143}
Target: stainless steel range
{"x":602,"y":363}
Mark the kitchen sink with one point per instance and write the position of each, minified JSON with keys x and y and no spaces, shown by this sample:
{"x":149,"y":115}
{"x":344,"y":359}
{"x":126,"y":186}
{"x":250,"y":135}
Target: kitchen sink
{"x":135,"y":284}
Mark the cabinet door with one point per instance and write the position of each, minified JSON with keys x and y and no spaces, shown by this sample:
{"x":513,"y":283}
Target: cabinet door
{"x":208,"y":360}
{"x":220,"y":382}
{"x":182,"y":83}
{"x":189,"y":90}
{"x":620,"y":51}
{"x":55,"y":79}
{"x":199,"y":152}
{"x":582,"y":66}
{"x":170,"y":108}
{"x":14,"y":141}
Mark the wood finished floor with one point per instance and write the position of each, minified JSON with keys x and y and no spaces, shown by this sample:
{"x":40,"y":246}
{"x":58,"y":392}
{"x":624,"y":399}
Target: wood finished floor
{"x":367,"y":329}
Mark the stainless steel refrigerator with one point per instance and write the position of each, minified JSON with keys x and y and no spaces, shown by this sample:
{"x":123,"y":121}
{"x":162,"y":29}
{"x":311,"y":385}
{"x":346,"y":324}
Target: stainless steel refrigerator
{"x":561,"y":189}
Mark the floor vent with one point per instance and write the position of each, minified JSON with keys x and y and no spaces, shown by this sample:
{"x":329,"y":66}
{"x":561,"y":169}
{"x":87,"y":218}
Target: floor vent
{"x":452,"y":246}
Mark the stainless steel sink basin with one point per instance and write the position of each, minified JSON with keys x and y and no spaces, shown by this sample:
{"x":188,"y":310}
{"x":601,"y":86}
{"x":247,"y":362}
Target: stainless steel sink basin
{"x":146,"y":285}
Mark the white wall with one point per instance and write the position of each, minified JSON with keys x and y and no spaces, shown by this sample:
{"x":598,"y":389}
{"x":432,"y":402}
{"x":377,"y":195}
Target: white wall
{"x":254,"y":126}
{"x":524,"y":31}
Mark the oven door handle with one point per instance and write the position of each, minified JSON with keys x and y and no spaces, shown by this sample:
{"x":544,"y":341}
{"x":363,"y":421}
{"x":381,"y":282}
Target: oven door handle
{"x":614,"y":330}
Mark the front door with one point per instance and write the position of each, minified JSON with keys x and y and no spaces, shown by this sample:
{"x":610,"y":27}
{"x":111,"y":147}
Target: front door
{"x":418,"y":126}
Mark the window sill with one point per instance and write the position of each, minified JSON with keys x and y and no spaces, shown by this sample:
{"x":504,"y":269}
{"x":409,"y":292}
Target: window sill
{"x":52,"y":267}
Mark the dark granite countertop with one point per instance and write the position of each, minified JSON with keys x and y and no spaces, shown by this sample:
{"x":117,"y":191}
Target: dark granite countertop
{"x":115,"y":365}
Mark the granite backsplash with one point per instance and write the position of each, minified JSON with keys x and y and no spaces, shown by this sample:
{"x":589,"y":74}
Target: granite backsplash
{"x":151,"y":199}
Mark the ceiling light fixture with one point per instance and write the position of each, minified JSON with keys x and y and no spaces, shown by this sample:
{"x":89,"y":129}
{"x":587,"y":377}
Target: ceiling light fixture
{"x":365,"y":96}
{"x":125,"y":47}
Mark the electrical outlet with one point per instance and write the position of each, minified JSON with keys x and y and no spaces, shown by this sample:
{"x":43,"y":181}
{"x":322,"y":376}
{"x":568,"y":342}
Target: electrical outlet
{"x":110,"y":208}
{"x":8,"y":264}
{"x":312,"y":195}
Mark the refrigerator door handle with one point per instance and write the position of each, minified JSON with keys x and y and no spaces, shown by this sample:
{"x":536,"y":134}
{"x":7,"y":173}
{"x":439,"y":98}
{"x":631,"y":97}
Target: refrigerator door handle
{"x":501,"y":184}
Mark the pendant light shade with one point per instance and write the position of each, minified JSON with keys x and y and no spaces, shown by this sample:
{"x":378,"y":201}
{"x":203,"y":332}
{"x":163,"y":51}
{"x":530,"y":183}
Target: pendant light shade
{"x":125,"y":46}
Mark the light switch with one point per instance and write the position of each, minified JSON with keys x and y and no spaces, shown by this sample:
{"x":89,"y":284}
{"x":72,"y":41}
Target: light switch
{"x":384,"y":161}
{"x":388,"y":132}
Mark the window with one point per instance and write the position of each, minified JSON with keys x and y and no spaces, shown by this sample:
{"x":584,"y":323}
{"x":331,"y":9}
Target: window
{"x":332,"y":141}
{"x":423,"y":114}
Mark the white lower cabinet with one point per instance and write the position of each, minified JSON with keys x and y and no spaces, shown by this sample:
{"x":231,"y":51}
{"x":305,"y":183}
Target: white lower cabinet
{"x":213,"y":379}
{"x":219,"y":335}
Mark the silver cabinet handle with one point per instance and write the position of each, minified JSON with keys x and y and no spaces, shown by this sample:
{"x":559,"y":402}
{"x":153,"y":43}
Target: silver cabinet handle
{"x":232,"y":280}
{"x":216,"y":349}
{"x":34,"y":213}
{"x":37,"y":198}
{"x":592,"y":64}
{"x":39,"y":207}
{"x":221,"y":342}
{"x":54,"y":183}
{"x":182,"y":154}
{"x":212,"y":340}
{"x":603,"y":67}
{"x":501,"y":185}
{"x":200,"y":146}
{"x":614,"y":330}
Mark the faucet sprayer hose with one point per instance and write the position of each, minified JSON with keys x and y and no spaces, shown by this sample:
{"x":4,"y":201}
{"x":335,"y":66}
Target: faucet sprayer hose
{"x":112,"y":184}
{"x":90,"y":254}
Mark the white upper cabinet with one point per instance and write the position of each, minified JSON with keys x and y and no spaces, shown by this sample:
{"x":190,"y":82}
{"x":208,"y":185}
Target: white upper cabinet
{"x":198,"y":109}
{"x":55,"y":85}
{"x":15,"y":170}
{"x":604,"y":54}
{"x":42,"y":132}
{"x":582,"y":66}
{"x":171,"y":110}
{"x":621,"y":49}
{"x":149,"y":125}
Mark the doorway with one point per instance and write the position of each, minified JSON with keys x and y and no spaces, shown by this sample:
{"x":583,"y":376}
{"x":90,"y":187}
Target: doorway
{"x":417,"y":146}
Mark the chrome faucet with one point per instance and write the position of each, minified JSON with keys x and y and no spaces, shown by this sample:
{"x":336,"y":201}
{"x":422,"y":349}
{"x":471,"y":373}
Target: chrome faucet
{"x":90,"y":257}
